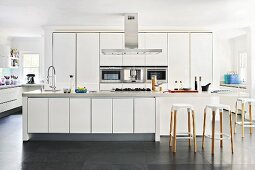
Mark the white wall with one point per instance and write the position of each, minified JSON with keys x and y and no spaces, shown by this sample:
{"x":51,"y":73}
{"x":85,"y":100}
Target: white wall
{"x":30,"y":45}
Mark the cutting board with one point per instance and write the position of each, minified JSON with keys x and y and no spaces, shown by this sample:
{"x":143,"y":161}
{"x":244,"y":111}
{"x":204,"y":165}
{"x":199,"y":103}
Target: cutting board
{"x":182,"y":91}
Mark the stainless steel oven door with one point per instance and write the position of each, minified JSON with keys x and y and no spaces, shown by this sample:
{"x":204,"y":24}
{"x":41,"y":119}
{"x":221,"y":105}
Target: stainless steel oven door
{"x":111,"y":75}
{"x":161,"y":74}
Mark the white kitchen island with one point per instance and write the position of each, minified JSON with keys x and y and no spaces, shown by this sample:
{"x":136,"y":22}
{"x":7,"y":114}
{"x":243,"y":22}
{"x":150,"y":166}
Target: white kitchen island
{"x":112,"y":113}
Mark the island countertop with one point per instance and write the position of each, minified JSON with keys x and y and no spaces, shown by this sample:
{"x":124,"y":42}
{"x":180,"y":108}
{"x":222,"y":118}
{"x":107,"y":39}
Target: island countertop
{"x":38,"y":93}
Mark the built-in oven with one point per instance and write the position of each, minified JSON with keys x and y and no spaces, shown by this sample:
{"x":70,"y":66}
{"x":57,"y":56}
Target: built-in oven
{"x":111,"y":74}
{"x":160,"y":72}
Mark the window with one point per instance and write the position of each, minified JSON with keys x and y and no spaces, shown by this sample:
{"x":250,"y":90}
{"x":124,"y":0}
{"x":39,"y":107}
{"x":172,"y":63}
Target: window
{"x":31,"y":65}
{"x":243,"y":66}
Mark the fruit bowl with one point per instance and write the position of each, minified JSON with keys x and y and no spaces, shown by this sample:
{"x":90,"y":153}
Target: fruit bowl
{"x":80,"y":90}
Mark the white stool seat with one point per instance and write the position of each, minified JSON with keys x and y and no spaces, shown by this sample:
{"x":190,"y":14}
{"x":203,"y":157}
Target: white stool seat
{"x":216,"y":107}
{"x":246,"y":100}
{"x":182,"y":106}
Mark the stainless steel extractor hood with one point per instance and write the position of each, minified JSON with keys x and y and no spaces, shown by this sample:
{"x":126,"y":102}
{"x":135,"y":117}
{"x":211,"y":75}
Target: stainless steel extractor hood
{"x":131,"y":39}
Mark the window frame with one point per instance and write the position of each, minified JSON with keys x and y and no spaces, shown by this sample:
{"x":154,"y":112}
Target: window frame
{"x":22,"y":65}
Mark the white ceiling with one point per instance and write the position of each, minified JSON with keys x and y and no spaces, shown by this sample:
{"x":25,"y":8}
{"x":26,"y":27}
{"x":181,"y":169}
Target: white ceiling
{"x":27,"y":17}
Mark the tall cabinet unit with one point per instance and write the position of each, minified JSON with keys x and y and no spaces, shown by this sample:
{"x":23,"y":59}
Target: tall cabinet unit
{"x":201,"y":55}
{"x":178,"y":59}
{"x":64,"y":53}
{"x":88,"y":60}
{"x":111,"y":41}
{"x":156,"y":41}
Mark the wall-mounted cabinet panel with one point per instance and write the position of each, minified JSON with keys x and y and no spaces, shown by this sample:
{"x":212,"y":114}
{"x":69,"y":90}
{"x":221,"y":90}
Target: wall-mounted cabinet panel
{"x":64,"y":53}
{"x":156,"y":41}
{"x":110,"y":86}
{"x":144,"y":115}
{"x":80,"y":115}
{"x":88,"y":60}
{"x":136,"y":60}
{"x":101,"y":115}
{"x":178,"y":59}
{"x":38,"y":115}
{"x":123,"y":115}
{"x":59,"y":115}
{"x":111,"y":41}
{"x":201,"y":56}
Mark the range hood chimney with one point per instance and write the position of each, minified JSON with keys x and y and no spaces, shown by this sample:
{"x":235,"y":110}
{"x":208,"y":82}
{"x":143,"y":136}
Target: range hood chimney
{"x":131,"y":39}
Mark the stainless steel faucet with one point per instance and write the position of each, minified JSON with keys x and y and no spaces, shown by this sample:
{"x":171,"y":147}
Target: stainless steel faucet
{"x":53,"y":77}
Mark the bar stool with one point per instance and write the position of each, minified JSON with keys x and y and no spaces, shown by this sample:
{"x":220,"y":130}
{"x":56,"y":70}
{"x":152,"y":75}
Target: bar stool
{"x":243,"y":123}
{"x":214,"y":109}
{"x":173,"y":117}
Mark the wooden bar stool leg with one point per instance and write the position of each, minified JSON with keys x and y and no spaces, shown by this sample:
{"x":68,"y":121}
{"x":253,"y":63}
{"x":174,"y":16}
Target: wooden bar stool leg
{"x":250,"y":117}
{"x":174,"y":147}
{"x":235,"y":118}
{"x":231,"y":136}
{"x":221,"y":136}
{"x":243,"y":120}
{"x":189,"y":125}
{"x":171,"y":125}
{"x":213,"y":130}
{"x":203,"y":138}
{"x":194,"y":131}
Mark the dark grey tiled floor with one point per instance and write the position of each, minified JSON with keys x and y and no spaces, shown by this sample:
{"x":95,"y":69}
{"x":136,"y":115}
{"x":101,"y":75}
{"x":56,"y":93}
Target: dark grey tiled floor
{"x":14,"y":154}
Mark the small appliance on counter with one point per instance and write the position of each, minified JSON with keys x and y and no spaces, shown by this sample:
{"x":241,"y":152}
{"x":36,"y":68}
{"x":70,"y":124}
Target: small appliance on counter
{"x":30,"y":79}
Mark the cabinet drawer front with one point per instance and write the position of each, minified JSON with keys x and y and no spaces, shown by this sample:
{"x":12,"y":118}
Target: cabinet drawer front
{"x":38,"y":115}
{"x":123,"y":115}
{"x":80,"y":115}
{"x":101,"y":115}
{"x":9,"y":94}
{"x":59,"y":115}
{"x":144,"y":115}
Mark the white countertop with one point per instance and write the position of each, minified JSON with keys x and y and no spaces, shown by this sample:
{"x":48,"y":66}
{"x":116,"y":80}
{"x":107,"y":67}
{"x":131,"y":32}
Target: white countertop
{"x":20,"y":85}
{"x":38,"y":93}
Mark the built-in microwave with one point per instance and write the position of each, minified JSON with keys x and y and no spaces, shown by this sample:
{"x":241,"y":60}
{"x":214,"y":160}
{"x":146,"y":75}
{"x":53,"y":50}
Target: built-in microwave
{"x":160,"y":72}
{"x":111,"y":74}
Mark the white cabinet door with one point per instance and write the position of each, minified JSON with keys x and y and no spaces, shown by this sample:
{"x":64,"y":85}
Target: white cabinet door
{"x":178,"y":59}
{"x":88,"y":60}
{"x":80,"y":115}
{"x":58,"y":115}
{"x":101,"y":115}
{"x":136,"y":60}
{"x":64,"y":51}
{"x":111,"y":41}
{"x":123,"y":115}
{"x":156,"y":41}
{"x":201,"y":57}
{"x":144,"y":115}
{"x":38,"y":115}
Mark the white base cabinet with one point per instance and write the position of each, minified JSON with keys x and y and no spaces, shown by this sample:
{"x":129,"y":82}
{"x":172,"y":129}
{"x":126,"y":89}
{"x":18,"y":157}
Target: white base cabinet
{"x":58,"y":115}
{"x":144,"y":115}
{"x":38,"y":115}
{"x":123,"y":115}
{"x":80,"y":115}
{"x":101,"y":115}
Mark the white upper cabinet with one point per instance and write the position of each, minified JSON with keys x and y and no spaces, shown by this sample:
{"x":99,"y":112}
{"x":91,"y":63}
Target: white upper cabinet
{"x":88,"y":60}
{"x":101,"y":116}
{"x":58,"y":115}
{"x":64,"y":53}
{"x":201,"y":57}
{"x":156,"y":41}
{"x":178,"y":59}
{"x":111,"y":41}
{"x":136,"y":60}
{"x":123,"y":115}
